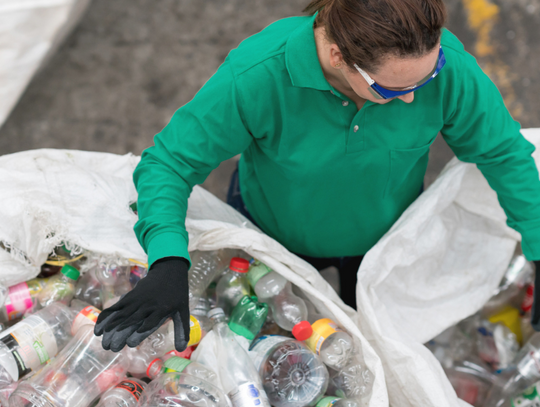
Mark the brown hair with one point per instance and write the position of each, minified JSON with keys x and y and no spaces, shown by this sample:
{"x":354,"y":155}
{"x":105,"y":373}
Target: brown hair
{"x":368,"y":30}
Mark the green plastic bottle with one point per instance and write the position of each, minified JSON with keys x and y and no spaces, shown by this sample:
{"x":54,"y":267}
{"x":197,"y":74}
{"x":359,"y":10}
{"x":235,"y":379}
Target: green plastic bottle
{"x":248,"y":316}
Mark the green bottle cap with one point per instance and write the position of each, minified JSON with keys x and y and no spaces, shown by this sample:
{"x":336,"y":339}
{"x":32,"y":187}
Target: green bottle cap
{"x":327,"y":401}
{"x":175,"y":364}
{"x":70,"y":272}
{"x":257,"y":271}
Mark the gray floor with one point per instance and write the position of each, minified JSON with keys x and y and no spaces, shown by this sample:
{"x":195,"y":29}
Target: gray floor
{"x":131,"y":63}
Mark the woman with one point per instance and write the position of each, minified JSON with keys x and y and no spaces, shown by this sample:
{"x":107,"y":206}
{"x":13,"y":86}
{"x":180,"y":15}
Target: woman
{"x":334,"y":115}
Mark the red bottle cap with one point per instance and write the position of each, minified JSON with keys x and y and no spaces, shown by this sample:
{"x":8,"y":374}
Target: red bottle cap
{"x":302,"y":330}
{"x":240,"y":265}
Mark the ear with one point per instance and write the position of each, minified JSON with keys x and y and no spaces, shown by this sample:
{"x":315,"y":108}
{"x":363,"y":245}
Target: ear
{"x":335,"y":57}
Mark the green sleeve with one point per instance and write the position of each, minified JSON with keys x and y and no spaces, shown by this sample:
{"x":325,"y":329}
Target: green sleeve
{"x":203,"y":133}
{"x":479,"y":129}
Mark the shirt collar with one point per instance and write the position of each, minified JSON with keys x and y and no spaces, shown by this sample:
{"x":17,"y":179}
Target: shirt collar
{"x":302,"y":60}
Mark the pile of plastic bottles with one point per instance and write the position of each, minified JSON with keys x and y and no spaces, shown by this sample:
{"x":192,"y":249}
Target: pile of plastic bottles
{"x":255,"y":340}
{"x":493,"y":357}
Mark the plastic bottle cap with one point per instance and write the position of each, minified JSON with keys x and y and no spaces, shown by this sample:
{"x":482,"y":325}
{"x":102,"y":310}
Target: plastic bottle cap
{"x":240,"y":265}
{"x":302,"y":331}
{"x":70,"y":272}
{"x":257,"y":271}
{"x":175,"y":364}
{"x":214,"y":312}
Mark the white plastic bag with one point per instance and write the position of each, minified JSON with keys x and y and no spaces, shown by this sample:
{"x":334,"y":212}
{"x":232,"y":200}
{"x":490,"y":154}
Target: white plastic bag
{"x":30,"y":31}
{"x":53,"y":196}
{"x":438,"y":264}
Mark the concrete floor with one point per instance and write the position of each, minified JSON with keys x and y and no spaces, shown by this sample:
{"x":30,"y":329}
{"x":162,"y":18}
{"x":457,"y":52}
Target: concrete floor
{"x":130,"y":64}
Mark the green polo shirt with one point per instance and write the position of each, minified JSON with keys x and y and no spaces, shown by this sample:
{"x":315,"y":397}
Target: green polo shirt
{"x":318,"y":175}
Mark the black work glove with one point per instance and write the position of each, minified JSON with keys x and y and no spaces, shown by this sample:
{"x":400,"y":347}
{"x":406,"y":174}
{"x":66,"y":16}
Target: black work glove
{"x":162,"y":294}
{"x":535,"y":319}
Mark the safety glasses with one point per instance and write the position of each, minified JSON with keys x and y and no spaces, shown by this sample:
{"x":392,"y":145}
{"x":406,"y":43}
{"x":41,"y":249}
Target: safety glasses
{"x":382,"y":93}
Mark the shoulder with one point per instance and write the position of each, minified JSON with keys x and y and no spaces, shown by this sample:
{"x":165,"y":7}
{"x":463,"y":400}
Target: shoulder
{"x":264,"y":50}
{"x":457,"y":58}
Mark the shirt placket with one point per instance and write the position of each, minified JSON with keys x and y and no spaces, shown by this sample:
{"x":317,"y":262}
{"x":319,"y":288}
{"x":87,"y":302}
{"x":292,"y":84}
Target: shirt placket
{"x":355,"y":136}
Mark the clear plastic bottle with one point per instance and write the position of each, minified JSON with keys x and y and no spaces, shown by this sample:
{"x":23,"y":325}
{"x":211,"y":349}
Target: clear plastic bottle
{"x":276,"y":291}
{"x":80,"y":373}
{"x":181,"y":365}
{"x":60,"y":287}
{"x":327,"y":340}
{"x":83,"y":314}
{"x":233,"y":285}
{"x":21,"y":298}
{"x":337,"y":402}
{"x":157,"y":345}
{"x":33,"y":341}
{"x":237,"y":373}
{"x":520,"y":272}
{"x":517,"y":378}
{"x":292,"y":375}
{"x":528,"y":398}
{"x":179,"y":389}
{"x":354,"y":380}
{"x":200,"y":312}
{"x":88,"y":289}
{"x":127,"y":393}
{"x":114,"y":279}
{"x":205,"y":267}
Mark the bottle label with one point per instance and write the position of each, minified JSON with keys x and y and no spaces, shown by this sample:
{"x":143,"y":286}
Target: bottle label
{"x":327,"y":401}
{"x":195,"y":331}
{"x":31,"y":343}
{"x":529,"y":398}
{"x":527,"y":303}
{"x":529,"y":366}
{"x":133,"y":387}
{"x":261,"y":346}
{"x":87,"y":316}
{"x":248,"y":395}
{"x":18,"y":301}
{"x":322,"y":329}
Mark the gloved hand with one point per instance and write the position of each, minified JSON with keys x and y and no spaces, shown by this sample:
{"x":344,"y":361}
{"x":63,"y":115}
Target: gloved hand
{"x":535,"y":319}
{"x":162,"y":294}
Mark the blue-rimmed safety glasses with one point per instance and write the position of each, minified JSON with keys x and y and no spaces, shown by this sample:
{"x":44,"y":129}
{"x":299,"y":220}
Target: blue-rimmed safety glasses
{"x":382,"y":93}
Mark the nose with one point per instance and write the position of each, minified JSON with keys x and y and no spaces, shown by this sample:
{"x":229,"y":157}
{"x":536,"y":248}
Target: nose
{"x":407,"y":98}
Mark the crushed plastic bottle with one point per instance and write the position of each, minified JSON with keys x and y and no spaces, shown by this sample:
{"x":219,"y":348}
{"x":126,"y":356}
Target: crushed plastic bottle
{"x":276,"y":291}
{"x":233,"y":285}
{"x":127,"y":393}
{"x":60,"y":287}
{"x":157,"y":345}
{"x":30,"y":343}
{"x":181,"y":365}
{"x":248,"y":317}
{"x":326,"y":339}
{"x":519,"y":274}
{"x":496,"y":344}
{"x":80,"y":373}
{"x":88,"y":289}
{"x":21,"y":298}
{"x":205,"y":267}
{"x":524,"y":372}
{"x":292,"y":375}
{"x":238,"y":375}
{"x":180,"y":389}
{"x":83,"y":314}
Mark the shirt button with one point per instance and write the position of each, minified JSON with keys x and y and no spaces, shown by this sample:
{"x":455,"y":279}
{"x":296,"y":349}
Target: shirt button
{"x":355,"y":128}
{"x":345,"y":103}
